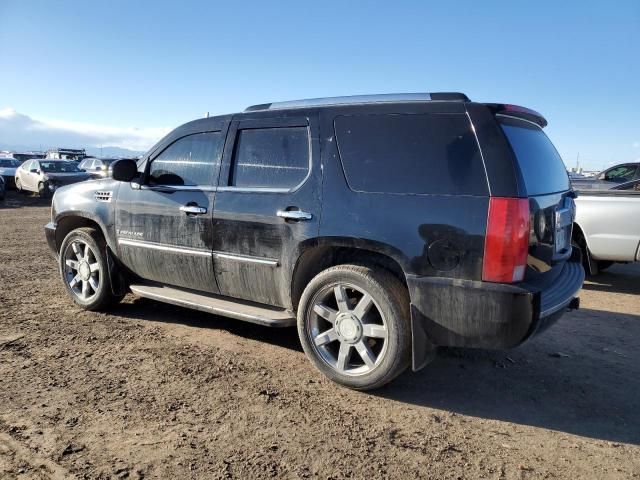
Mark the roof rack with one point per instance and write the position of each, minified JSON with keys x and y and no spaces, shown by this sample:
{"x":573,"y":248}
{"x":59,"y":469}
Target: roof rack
{"x":361,"y":99}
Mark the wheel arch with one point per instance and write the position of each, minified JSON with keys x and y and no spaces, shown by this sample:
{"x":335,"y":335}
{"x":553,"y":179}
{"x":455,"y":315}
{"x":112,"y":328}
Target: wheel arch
{"x":68,"y":223}
{"x":322,"y":253}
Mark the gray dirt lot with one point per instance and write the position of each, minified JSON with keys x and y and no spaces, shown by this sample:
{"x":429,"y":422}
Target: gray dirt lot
{"x":154,"y":391}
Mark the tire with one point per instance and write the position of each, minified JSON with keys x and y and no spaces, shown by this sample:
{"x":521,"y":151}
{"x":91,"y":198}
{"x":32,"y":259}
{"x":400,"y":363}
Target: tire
{"x":604,"y":264}
{"x":333,"y":341}
{"x":43,"y":190}
{"x":85,"y":274}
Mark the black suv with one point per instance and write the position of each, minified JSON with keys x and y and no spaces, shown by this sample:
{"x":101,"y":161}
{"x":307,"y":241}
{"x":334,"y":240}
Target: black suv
{"x":383,"y":226}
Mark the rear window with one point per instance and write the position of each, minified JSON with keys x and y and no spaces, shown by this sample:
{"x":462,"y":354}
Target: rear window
{"x":542,"y":167}
{"x":417,"y":154}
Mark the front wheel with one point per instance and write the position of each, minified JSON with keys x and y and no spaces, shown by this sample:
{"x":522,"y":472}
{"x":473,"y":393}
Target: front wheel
{"x":83,"y":268}
{"x":43,"y":190}
{"x":354,"y":325}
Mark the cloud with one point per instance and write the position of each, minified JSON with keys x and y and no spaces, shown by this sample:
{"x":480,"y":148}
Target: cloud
{"x":20,"y":129}
{"x":636,"y":145}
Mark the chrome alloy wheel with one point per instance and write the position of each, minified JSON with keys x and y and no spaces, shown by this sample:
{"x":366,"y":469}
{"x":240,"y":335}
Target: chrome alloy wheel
{"x":81,"y":270}
{"x":347,"y":329}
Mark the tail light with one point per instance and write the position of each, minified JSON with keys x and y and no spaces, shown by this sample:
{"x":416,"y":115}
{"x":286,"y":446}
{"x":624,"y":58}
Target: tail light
{"x":506,"y":245}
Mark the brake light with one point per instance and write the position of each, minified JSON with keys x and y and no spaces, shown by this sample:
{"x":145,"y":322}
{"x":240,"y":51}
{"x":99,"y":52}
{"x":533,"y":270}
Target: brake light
{"x":506,"y":245}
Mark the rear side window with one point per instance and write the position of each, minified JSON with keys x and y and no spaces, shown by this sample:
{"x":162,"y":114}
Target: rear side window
{"x":418,"y":154}
{"x":623,"y":173}
{"x":542,"y":168}
{"x":193,"y":160}
{"x":270,"y":157}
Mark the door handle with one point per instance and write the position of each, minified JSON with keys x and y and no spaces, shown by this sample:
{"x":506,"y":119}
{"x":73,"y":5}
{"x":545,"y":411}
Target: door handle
{"x":193,"y":210}
{"x":294,"y":215}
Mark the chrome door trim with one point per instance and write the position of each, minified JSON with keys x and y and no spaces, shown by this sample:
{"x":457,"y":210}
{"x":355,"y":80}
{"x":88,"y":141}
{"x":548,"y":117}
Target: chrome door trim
{"x":246,"y":258}
{"x":163,"y":247}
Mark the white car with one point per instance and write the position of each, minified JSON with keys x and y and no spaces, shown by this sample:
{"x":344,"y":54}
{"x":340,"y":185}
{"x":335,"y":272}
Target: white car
{"x":607,"y":226}
{"x":8,"y":167}
{"x":45,"y":176}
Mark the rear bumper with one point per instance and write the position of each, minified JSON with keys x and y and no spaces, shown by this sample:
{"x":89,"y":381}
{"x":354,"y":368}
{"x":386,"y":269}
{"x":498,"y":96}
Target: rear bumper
{"x":50,"y":234}
{"x":463,"y":313}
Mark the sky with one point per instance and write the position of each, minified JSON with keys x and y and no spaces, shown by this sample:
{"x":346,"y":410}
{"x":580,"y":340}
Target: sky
{"x":125,"y":72}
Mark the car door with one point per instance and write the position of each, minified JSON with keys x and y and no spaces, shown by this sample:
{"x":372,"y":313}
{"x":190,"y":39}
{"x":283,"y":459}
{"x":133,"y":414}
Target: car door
{"x":29,"y":179}
{"x":163,"y":223}
{"x":267,"y":206}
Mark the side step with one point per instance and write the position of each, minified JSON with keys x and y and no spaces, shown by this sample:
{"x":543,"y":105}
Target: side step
{"x":218,"y":305}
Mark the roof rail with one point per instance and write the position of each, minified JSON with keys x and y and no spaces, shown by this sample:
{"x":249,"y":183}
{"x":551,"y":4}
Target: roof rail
{"x":361,"y":99}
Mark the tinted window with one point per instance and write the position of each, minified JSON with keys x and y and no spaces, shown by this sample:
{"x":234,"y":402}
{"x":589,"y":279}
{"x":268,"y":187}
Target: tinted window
{"x":623,"y":173}
{"x":542,"y":168}
{"x":192,"y":160}
{"x":426,"y":154}
{"x":271,"y":157}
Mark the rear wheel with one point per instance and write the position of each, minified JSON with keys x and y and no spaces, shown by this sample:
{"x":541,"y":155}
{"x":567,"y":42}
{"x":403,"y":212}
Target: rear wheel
{"x":83,"y":268}
{"x":353,"y":323}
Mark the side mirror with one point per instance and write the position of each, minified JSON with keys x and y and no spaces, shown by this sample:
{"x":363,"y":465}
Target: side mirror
{"x":124,"y":170}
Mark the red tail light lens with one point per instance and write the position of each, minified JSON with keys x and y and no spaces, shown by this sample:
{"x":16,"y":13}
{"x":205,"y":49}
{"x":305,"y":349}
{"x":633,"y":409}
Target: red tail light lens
{"x":506,"y":245}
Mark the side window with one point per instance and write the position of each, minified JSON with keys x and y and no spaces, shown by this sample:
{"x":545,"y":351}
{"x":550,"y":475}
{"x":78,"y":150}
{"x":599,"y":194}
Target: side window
{"x":270,"y":157}
{"x":193,"y":160}
{"x":416,"y":154}
{"x":26,"y":166}
{"x":622,"y":173}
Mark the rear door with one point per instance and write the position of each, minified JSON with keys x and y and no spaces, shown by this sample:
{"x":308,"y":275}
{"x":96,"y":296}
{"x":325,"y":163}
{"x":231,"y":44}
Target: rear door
{"x":163,"y":225}
{"x":267,"y":206}
{"x":546,"y":183}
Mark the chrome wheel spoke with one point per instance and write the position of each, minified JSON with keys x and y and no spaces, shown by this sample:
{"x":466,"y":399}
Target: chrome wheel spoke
{"x":363,"y":306}
{"x":329,"y":314}
{"x":85,"y":288}
{"x":94,"y":267}
{"x":366,"y":354}
{"x":72,"y":264}
{"x":326,"y":337}
{"x":373,"y":330}
{"x":341,"y":298}
{"x":76,"y":250}
{"x":343,"y":357}
{"x":74,"y":281}
{"x":94,"y":283}
{"x":86,"y":252}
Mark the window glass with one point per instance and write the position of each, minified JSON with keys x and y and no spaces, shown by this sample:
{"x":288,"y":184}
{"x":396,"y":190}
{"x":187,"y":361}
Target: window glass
{"x":623,"y":173}
{"x":59,"y":166}
{"x":418,"y":154}
{"x":271,"y":157}
{"x":27,"y":165}
{"x":190,"y":161}
{"x":541,"y":166}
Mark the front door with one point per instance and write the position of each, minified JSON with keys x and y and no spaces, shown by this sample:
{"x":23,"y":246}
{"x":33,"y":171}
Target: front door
{"x":267,"y":206}
{"x":163,"y":224}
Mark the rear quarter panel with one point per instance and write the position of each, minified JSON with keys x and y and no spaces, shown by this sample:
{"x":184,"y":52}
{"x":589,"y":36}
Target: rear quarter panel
{"x":428,"y":235}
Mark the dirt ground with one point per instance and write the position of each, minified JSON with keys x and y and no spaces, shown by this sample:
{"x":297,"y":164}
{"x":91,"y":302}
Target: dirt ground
{"x":155,"y":391}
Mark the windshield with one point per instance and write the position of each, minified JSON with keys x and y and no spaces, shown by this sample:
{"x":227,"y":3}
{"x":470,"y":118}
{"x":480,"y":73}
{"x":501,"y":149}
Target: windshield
{"x":542,"y":167}
{"x":9,"y":163}
{"x":59,"y":167}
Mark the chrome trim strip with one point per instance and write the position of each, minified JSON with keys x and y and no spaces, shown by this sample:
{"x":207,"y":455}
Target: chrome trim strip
{"x":245,"y":258}
{"x":163,"y":247}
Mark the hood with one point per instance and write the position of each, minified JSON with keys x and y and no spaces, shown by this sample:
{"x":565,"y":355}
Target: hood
{"x":64,"y":178}
{"x":8,"y":171}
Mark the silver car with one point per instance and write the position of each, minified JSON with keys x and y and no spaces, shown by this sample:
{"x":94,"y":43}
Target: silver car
{"x":8,"y":167}
{"x":45,"y":176}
